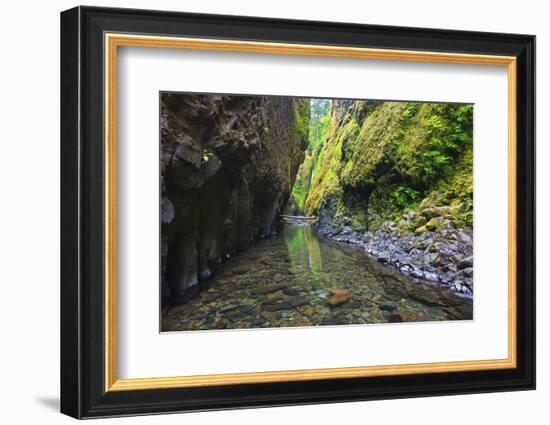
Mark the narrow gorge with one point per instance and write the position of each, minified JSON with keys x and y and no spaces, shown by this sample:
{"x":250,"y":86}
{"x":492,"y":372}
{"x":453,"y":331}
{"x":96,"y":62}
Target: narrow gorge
{"x":281,"y":211}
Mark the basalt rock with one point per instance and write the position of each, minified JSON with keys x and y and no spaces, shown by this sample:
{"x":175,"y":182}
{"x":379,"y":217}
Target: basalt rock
{"x":228,"y":164}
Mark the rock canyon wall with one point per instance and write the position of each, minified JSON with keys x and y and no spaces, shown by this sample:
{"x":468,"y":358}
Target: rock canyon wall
{"x":228,"y":165}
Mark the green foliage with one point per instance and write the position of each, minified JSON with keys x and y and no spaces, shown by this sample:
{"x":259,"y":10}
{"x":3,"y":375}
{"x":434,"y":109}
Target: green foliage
{"x":393,"y":156}
{"x":317,"y":127}
{"x":431,"y":142}
{"x":405,"y":197}
{"x":302,"y":118}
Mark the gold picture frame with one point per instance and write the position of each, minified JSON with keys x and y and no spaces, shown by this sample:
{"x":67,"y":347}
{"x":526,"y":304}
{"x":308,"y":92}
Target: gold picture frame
{"x":91,"y":40}
{"x":114,"y":41}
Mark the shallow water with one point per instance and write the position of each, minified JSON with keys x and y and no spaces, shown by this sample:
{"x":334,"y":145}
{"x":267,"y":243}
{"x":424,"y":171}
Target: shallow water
{"x":291,"y":279}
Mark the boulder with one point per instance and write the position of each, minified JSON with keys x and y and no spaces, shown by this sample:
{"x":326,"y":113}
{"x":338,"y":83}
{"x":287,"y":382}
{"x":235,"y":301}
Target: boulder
{"x":339,"y":296}
{"x":388,"y":305}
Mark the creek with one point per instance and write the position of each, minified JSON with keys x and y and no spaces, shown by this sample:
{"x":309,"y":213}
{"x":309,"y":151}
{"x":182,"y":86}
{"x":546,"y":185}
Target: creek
{"x":300,"y":279}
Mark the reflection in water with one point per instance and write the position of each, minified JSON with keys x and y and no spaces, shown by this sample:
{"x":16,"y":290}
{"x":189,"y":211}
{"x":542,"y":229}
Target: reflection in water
{"x":298,"y":279}
{"x":303,"y":248}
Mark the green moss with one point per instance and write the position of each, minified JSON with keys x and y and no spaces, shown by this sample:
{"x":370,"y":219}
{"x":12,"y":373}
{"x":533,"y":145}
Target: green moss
{"x":382,"y":159}
{"x":301,"y":118}
{"x":317,"y":125}
{"x":370,"y":153}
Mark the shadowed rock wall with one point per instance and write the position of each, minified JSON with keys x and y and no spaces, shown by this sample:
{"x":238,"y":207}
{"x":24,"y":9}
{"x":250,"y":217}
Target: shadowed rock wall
{"x":228,"y":164}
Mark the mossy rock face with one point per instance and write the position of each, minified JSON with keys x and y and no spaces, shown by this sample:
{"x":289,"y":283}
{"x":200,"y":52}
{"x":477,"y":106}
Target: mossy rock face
{"x":421,"y":230}
{"x":396,"y":157}
{"x":435,"y":223}
{"x":443,"y":211}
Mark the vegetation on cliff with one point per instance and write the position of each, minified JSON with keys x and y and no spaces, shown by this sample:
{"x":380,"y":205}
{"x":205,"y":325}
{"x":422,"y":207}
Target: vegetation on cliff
{"x":317,"y":128}
{"x":380,"y":160}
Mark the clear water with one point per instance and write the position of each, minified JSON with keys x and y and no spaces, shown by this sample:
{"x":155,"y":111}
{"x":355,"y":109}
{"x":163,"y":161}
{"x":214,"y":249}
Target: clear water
{"x":289,"y":280}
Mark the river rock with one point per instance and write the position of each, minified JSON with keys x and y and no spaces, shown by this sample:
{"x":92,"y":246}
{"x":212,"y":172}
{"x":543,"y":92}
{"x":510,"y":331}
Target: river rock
{"x":424,"y":295}
{"x":466,"y":262}
{"x":227,"y":307}
{"x":431,"y":276}
{"x":205,"y":274}
{"x":339,"y":296}
{"x":258,"y":322}
{"x":268,"y":289}
{"x":297,"y":301}
{"x":394,"y":318}
{"x":465,"y":237}
{"x":277,"y":306}
{"x":387,"y":305}
{"x":384,"y":257}
{"x":292,"y":291}
{"x":421,"y":230}
{"x":167,"y":212}
{"x":468,"y":271}
{"x":435,"y":223}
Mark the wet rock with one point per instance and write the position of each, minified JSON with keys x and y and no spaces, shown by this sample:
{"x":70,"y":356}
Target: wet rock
{"x":212,"y":165}
{"x":221,"y":324}
{"x":278,"y":278}
{"x":387,"y":305}
{"x":411,"y":316}
{"x":353,"y":304}
{"x":211,"y":297}
{"x":421,"y":294}
{"x":394,"y":318}
{"x":307,"y":311}
{"x":228,"y":307}
{"x":421,"y":230}
{"x":274,"y":299}
{"x":297,"y":301}
{"x":238,"y":314}
{"x":268,"y":289}
{"x":335,"y":300}
{"x":465,"y":237}
{"x":167,"y":212}
{"x":431,"y":276}
{"x":435,"y":223}
{"x":277,"y":306}
{"x":292,"y":291}
{"x":384,"y":257}
{"x":339,"y":296}
{"x":187,"y":150}
{"x":334,"y":320}
{"x":449,"y":298}
{"x":205,"y":274}
{"x":238,"y":271}
{"x":468,"y":271}
{"x":258,"y":322}
{"x":199,"y":315}
{"x":466,"y":262}
{"x":182,"y":266}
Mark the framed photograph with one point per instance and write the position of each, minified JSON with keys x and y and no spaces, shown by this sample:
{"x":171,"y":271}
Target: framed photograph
{"x":261,"y":212}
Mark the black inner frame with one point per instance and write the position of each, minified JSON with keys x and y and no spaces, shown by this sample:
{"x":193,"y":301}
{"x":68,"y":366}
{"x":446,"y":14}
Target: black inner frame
{"x":82,"y":212}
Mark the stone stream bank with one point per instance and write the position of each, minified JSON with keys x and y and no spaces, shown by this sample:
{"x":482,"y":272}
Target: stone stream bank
{"x":438,"y":252}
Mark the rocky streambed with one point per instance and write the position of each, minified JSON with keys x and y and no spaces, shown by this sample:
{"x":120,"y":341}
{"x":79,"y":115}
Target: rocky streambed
{"x":436,"y":251}
{"x":300,"y":279}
